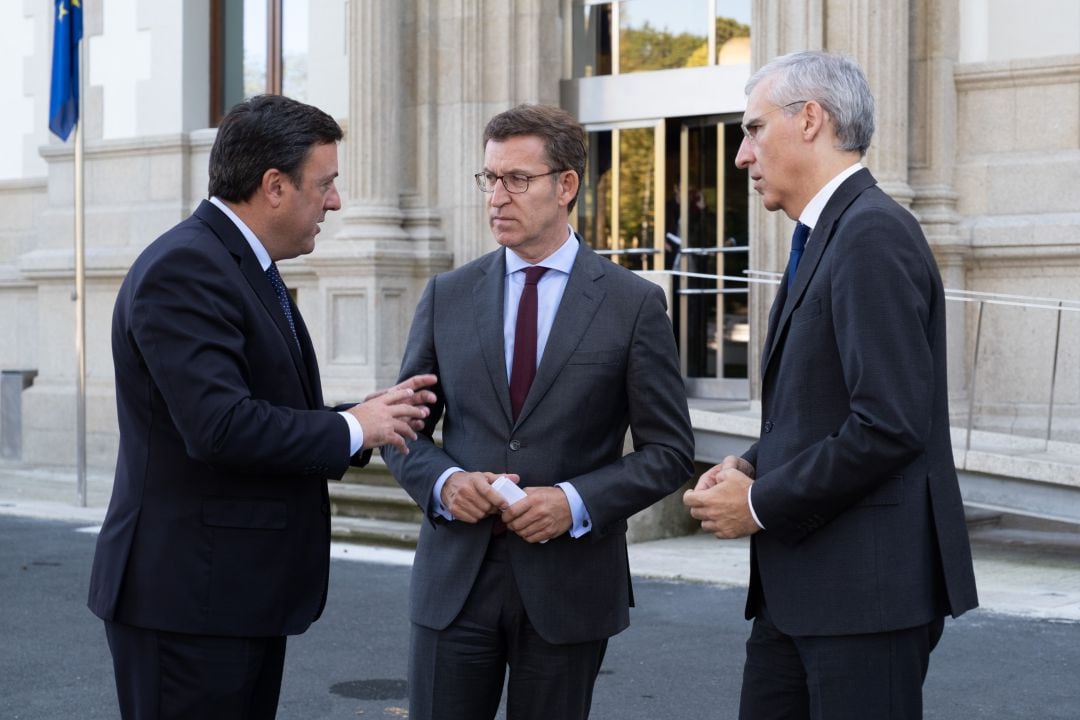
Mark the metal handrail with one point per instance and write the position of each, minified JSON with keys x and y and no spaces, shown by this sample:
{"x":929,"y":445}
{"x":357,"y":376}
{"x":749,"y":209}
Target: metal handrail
{"x":769,"y":277}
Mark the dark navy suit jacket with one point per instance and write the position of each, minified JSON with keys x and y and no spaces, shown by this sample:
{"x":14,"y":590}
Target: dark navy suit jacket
{"x":219,"y":521}
{"x":856,"y":485}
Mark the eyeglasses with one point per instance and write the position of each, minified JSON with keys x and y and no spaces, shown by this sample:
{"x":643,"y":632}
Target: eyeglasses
{"x":515,"y":184}
{"x":750,"y":129}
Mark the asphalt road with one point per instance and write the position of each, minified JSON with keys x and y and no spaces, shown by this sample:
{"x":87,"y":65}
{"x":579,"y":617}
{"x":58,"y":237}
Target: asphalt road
{"x":681,"y":657}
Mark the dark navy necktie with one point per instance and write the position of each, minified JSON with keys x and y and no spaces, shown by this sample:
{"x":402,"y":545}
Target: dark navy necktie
{"x":798,"y":244}
{"x":524,"y":367}
{"x":278,"y":284}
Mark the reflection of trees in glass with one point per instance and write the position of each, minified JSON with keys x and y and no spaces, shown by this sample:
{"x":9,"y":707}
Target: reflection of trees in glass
{"x":636,"y":187}
{"x":294,"y":83}
{"x":647,"y":48}
{"x":254,"y":75}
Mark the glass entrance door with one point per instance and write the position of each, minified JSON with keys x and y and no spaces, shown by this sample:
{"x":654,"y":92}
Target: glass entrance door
{"x":707,"y":230}
{"x":665,"y":195}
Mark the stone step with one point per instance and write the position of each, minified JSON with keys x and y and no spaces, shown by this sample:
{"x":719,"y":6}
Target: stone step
{"x":377,"y":502}
{"x":370,"y":531}
{"x":980,"y":518}
{"x":376,"y":473}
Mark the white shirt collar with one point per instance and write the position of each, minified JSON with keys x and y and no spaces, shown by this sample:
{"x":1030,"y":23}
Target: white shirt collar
{"x":812,"y":212}
{"x":561,"y":260}
{"x":253,"y":240}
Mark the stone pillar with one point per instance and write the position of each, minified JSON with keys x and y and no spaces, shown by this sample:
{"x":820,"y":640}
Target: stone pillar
{"x":779,"y":28}
{"x":935,"y":49}
{"x":876,"y":34}
{"x":363,"y":283}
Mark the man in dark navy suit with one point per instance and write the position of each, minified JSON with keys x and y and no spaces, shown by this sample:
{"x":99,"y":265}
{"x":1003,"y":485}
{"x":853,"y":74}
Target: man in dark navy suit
{"x":859,"y":547}
{"x":216,"y":541}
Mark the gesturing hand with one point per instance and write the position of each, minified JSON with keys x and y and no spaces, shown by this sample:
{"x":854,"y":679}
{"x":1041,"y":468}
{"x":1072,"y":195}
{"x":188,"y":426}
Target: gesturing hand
{"x":416,"y":383}
{"x":392,"y":417}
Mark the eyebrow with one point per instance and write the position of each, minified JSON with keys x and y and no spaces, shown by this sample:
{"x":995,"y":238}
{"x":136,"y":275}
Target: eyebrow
{"x":515,"y":171}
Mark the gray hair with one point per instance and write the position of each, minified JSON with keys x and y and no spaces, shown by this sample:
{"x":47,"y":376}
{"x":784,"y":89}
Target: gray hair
{"x":834,"y":81}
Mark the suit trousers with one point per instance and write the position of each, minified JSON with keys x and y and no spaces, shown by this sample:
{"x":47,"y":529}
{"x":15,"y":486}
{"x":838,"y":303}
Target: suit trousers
{"x":172,"y":676}
{"x":841,"y":677}
{"x":459,"y":672}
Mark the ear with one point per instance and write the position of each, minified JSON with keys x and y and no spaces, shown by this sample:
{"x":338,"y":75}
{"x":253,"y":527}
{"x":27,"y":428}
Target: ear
{"x":272,"y":187}
{"x":567,"y":187}
{"x":813,"y":120}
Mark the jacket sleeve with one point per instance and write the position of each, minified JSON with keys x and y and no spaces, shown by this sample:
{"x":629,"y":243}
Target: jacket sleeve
{"x":663,"y":440}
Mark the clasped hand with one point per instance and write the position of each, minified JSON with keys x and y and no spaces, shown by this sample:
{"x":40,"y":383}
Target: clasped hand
{"x":543,"y":514}
{"x":720,"y":499}
{"x":394,"y":416}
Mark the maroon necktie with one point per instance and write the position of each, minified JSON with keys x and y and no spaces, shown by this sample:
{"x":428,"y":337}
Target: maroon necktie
{"x":524,"y":369}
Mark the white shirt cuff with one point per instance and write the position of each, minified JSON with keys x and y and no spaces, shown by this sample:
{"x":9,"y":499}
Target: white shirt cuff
{"x":356,"y":432}
{"x":582,"y":521}
{"x":750,"y":502}
{"x":436,"y":494}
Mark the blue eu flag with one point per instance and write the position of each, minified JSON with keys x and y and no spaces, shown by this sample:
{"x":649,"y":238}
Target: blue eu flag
{"x":64,"y":99}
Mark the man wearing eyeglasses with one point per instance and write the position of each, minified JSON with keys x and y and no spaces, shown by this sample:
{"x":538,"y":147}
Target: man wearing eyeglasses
{"x":859,"y":547}
{"x":545,"y":353}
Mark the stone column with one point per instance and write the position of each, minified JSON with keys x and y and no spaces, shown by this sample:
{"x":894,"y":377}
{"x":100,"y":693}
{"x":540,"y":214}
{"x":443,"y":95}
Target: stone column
{"x":779,"y":28}
{"x":933,"y":137}
{"x":876,"y":34}
{"x":364,"y":282}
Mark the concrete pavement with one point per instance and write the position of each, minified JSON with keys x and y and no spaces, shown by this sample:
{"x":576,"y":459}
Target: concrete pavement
{"x":1019,"y":572}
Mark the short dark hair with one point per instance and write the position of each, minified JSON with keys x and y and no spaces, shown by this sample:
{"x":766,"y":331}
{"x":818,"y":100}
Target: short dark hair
{"x":264,"y":132}
{"x":563,"y":136}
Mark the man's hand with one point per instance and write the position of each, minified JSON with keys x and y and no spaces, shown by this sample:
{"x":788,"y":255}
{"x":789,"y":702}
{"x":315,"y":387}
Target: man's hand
{"x":543,"y":514}
{"x":392,"y":416}
{"x":416,"y":383}
{"x":732,"y":462}
{"x":469,"y":496}
{"x":721,"y":501}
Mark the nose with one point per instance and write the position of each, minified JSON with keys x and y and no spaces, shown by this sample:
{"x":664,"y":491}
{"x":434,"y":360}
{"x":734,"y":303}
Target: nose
{"x":333,"y":199}
{"x":745,"y":157}
{"x":500,"y":195}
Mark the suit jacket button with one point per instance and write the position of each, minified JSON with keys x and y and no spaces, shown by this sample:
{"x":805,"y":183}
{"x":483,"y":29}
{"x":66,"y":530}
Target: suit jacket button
{"x":768,"y":426}
{"x":515,"y":445}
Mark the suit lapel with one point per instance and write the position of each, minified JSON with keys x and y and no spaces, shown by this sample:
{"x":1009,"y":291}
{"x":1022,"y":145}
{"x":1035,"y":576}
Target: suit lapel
{"x":487,"y":312}
{"x":815,"y":249}
{"x":235,"y":242}
{"x":579,"y":303}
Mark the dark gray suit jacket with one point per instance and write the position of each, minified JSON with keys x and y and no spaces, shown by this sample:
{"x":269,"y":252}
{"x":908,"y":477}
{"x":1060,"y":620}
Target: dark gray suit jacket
{"x":856,"y":485}
{"x":610,"y":362}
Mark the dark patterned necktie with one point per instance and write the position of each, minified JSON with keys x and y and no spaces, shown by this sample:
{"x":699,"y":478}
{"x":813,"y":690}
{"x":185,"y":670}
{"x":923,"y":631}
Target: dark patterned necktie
{"x":798,"y":244}
{"x":278,"y":284}
{"x":524,"y":368}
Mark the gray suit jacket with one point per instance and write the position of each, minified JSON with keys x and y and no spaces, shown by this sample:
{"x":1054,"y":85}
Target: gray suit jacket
{"x":856,"y":485}
{"x":610,"y":363}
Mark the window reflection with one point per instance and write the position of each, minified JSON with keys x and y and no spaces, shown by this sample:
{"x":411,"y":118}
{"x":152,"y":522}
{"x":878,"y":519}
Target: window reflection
{"x":592,"y":40}
{"x":653,"y":37}
{"x":636,"y":193}
{"x":294,"y":49}
{"x":658,"y":35}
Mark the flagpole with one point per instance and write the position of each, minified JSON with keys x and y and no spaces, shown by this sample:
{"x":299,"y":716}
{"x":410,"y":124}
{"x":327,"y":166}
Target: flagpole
{"x":80,"y":285}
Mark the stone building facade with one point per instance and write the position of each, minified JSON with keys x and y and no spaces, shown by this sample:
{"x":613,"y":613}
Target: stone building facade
{"x":979,"y":134}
